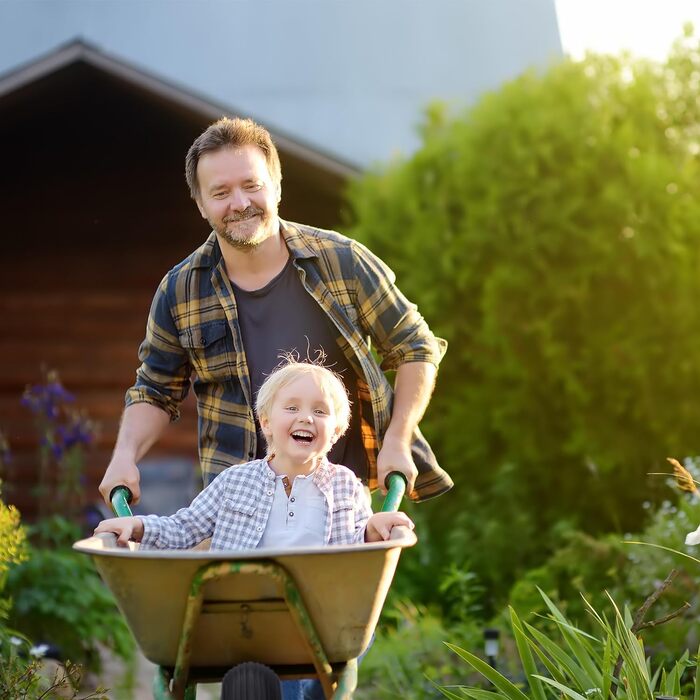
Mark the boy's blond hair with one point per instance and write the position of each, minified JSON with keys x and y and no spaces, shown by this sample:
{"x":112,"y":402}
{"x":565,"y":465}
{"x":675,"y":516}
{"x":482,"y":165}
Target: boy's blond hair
{"x":290,"y":370}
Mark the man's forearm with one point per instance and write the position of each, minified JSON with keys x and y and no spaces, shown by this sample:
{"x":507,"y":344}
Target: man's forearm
{"x":413,"y":387}
{"x":141,"y":426}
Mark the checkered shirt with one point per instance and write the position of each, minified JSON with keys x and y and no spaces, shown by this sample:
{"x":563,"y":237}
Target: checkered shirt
{"x":193,"y":326}
{"x":233,"y":510}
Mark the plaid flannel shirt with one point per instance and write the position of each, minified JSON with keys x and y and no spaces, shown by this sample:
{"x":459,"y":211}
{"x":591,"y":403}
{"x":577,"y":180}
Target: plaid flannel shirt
{"x":193,"y":326}
{"x":233,"y":510}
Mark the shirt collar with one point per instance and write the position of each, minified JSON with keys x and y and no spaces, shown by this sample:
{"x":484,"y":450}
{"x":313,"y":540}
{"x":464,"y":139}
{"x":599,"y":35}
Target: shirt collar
{"x":321,"y":476}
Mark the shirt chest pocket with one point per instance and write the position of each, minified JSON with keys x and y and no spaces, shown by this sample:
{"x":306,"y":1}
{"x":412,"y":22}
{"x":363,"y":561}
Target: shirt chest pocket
{"x":344,"y":518}
{"x":209,"y":348}
{"x":236,"y":525}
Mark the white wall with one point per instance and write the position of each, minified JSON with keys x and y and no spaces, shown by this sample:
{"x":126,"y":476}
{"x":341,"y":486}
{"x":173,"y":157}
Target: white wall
{"x":350,"y":77}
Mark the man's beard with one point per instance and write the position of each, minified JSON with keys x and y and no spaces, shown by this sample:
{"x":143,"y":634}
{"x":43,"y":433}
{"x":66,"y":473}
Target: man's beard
{"x":261,"y":233}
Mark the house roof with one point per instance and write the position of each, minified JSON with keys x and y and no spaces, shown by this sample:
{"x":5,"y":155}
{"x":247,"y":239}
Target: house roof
{"x":80,"y":51}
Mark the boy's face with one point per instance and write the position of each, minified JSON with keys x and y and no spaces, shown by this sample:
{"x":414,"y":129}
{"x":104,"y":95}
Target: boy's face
{"x":302,"y":424}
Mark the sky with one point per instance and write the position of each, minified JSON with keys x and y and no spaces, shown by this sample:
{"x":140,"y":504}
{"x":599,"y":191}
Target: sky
{"x":647,"y":28}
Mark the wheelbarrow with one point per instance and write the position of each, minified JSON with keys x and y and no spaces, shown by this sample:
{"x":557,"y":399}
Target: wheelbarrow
{"x":303,"y":612}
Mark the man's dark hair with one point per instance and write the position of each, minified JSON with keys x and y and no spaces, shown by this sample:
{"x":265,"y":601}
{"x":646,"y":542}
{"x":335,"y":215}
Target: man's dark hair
{"x":231,"y":133}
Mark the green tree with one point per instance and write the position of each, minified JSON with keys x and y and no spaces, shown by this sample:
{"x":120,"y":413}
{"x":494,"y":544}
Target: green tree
{"x":552,"y":235}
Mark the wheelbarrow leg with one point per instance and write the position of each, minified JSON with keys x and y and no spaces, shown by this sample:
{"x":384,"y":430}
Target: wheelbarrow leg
{"x":161,"y":687}
{"x":347,"y":681}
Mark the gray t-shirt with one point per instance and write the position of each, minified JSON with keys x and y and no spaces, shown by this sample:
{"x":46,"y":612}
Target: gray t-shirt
{"x":283,"y":317}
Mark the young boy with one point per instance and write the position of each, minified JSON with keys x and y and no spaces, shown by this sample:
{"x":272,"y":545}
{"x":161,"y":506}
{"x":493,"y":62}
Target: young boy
{"x":293,"y":497}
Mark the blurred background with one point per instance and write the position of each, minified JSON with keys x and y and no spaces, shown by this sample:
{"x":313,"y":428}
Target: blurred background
{"x":541,"y":155}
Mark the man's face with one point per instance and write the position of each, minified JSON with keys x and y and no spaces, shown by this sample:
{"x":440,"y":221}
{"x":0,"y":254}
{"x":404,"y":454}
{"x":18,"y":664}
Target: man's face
{"x":237,"y":196}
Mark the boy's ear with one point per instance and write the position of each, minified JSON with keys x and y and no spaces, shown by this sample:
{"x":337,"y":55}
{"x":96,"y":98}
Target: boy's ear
{"x":265,"y":426}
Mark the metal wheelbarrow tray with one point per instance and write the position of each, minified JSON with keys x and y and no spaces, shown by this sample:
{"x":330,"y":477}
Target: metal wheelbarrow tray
{"x":305,"y":611}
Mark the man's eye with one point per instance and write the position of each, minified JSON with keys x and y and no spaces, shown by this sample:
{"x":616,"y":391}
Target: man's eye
{"x":219,"y":195}
{"x":254,"y":187}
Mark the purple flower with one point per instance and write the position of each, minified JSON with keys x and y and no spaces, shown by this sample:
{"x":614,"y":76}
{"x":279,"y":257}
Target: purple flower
{"x":46,"y":399}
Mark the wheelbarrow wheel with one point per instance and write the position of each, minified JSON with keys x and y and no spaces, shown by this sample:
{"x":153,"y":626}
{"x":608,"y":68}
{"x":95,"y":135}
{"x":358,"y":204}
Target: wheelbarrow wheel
{"x":251,"y":681}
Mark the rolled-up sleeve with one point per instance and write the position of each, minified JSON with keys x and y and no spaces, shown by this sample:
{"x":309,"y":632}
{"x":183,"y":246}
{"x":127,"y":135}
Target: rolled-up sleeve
{"x":163,"y":379}
{"x":398,"y":331}
{"x":189,"y":526}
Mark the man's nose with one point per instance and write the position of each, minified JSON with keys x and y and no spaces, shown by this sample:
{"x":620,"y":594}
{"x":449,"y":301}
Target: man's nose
{"x":238,"y":201}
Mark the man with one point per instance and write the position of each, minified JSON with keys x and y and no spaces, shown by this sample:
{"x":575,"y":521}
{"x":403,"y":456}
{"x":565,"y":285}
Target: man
{"x":260,"y":287}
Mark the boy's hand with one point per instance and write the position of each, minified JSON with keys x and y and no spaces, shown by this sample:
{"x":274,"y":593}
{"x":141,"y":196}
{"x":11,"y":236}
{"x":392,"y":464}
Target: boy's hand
{"x":379,"y":525}
{"x":124,"y":528}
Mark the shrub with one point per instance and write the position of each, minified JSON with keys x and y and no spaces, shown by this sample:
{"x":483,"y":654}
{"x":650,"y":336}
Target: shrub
{"x":562,"y":230}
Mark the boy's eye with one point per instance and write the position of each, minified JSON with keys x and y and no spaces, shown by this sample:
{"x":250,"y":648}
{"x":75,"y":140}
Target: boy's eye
{"x":291,"y":408}
{"x":321,"y":412}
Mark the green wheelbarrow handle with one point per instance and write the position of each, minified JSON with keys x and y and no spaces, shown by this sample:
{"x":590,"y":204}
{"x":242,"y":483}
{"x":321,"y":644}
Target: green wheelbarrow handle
{"x":396,"y":484}
{"x":120,"y":498}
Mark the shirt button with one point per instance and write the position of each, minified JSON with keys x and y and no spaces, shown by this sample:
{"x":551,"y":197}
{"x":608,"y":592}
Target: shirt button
{"x":259,"y":528}
{"x":291,"y":514}
{"x":292,"y":499}
{"x":202,"y":341}
{"x":251,"y":455}
{"x":269,"y":493}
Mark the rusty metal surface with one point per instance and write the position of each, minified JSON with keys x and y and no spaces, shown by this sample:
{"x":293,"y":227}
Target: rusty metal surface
{"x":246,"y":618}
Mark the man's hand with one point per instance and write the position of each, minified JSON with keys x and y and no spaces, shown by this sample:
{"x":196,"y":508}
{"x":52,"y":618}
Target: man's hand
{"x":124,"y":528}
{"x":395,"y":456}
{"x":122,"y":471}
{"x":380,"y":525}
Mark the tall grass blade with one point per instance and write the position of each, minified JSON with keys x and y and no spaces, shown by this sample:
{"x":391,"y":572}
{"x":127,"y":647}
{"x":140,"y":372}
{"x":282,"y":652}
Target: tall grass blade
{"x":567,"y":691}
{"x":526,"y":657}
{"x":498,"y":680}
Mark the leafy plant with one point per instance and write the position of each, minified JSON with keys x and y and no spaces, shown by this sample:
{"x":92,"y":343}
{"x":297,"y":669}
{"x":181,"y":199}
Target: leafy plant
{"x":575,"y":664}
{"x":58,"y":596}
{"x":23,"y":676}
{"x":408,"y":653}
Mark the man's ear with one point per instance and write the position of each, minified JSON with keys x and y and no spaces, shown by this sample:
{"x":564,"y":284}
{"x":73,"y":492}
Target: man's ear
{"x":198,"y":202}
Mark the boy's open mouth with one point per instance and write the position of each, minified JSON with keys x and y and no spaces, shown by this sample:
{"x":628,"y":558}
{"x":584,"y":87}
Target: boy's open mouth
{"x":303,"y":436}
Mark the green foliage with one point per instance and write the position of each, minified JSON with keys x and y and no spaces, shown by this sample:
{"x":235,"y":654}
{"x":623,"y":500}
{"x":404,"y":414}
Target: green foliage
{"x":24,"y":677}
{"x":13,"y":547}
{"x":575,"y":664}
{"x":561,"y":224}
{"x":58,"y":596}
{"x":407,"y":658}
{"x":594,"y":567}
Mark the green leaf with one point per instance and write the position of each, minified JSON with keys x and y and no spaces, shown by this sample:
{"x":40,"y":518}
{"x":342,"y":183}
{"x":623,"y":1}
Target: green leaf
{"x":567,"y":663}
{"x":497,"y":679}
{"x":564,"y":689}
{"x":526,"y":657}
